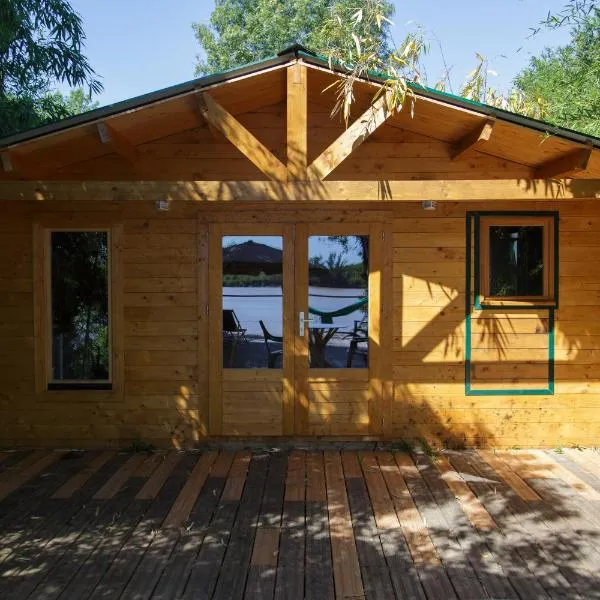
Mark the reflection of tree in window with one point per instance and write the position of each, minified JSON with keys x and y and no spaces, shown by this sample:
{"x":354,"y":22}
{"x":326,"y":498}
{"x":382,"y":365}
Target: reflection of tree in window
{"x":516,"y":261}
{"x":80,"y":344}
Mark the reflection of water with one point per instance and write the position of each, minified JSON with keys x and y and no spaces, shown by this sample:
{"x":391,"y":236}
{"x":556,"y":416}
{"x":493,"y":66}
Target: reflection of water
{"x":251,"y":304}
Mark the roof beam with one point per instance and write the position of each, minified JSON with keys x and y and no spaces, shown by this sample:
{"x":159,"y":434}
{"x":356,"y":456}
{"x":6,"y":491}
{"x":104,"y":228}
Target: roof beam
{"x":297,"y":119}
{"x":377,"y":114}
{"x":472,"y":140}
{"x":15,"y":165}
{"x":117,"y":142}
{"x":487,"y":191}
{"x":565,"y":165}
{"x":252,"y":148}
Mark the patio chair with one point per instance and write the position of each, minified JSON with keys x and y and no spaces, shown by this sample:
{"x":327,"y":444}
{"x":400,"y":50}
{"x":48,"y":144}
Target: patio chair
{"x":233,"y":330}
{"x":272,"y":354}
{"x":360,"y":335}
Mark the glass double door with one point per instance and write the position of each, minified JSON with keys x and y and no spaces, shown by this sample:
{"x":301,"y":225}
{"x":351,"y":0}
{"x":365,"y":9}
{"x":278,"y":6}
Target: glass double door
{"x":294,"y":329}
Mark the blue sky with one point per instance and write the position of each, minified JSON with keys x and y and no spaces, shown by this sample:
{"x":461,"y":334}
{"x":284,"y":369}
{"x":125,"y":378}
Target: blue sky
{"x":138,"y":46}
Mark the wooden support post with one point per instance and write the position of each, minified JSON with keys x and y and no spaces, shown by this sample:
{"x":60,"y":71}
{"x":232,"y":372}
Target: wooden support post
{"x":567,"y":164}
{"x":241,"y":138}
{"x":297,"y":117}
{"x":117,"y":142}
{"x":472,"y":140}
{"x":377,"y":114}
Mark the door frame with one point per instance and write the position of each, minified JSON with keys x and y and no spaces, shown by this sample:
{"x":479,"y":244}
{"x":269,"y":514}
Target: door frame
{"x":375,"y":370}
{"x":215,"y":335}
{"x":295,"y":371}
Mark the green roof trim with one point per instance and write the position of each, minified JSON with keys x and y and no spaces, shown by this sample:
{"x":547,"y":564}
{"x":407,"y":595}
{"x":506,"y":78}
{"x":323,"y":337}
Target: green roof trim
{"x":293,"y":51}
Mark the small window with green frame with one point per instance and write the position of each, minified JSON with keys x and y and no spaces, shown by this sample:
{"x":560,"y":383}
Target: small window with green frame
{"x":517,"y":260}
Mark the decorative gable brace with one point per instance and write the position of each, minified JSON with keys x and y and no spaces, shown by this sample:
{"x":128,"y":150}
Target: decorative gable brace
{"x":377,"y":114}
{"x":241,"y":138}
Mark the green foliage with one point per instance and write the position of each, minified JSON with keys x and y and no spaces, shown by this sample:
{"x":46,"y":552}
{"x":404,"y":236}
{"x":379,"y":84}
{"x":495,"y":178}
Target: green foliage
{"x":242,"y":31}
{"x":41,"y":43}
{"x":568,"y":78}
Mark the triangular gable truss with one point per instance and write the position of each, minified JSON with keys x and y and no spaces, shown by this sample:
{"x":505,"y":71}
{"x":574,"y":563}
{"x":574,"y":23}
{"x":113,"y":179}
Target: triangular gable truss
{"x":105,"y":136}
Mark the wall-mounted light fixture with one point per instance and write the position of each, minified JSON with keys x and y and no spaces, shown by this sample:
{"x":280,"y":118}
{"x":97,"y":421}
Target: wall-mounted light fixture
{"x":162,"y":205}
{"x":428,"y":204}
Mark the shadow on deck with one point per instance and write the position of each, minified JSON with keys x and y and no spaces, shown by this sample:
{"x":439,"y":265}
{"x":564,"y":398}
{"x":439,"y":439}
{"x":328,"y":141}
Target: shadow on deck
{"x":300,"y":524}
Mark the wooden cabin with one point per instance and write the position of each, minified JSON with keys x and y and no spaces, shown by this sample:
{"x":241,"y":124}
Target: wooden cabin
{"x":225,"y":259}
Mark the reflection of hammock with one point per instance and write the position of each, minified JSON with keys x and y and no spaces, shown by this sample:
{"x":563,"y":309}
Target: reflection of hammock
{"x":327,"y":317}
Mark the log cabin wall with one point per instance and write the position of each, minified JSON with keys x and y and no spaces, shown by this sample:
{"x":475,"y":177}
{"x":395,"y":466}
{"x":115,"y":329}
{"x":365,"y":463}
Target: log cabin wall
{"x":164,"y":394}
{"x":164,"y":399}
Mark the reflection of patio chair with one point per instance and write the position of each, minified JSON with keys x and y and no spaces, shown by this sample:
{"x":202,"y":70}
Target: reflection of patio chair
{"x":269,"y":337}
{"x":360,"y":335}
{"x":232,"y":329}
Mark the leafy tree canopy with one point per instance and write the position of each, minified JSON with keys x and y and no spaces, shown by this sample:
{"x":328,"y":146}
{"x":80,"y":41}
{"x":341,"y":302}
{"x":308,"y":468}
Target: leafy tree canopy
{"x":41,"y":43}
{"x":242,"y":31}
{"x":568,"y":78}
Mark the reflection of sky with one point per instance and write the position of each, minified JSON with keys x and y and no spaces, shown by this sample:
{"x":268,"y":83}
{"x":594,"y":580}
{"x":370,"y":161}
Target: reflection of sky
{"x":317,"y":245}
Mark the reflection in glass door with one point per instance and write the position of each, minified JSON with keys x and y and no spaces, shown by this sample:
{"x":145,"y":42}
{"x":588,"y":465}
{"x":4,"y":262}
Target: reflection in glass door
{"x":338,"y":301}
{"x":252,"y":296}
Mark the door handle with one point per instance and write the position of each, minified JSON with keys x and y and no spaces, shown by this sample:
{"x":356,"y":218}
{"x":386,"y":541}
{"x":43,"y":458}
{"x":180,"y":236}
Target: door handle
{"x":301,"y":323}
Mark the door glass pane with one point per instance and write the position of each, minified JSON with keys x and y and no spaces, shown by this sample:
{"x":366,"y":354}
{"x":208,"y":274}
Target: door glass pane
{"x":517,"y":261}
{"x":338,"y":301}
{"x":252,"y":302}
{"x":80,"y":327}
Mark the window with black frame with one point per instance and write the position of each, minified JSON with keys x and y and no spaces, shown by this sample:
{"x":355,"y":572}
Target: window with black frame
{"x":80,"y":322}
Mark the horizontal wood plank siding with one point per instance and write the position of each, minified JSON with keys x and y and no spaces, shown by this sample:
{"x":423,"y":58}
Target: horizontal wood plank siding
{"x":162,"y":400}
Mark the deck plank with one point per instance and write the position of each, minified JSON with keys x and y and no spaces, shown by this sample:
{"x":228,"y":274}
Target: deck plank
{"x":576,"y":563}
{"x":114,"y":484}
{"x":82,"y":477}
{"x":62,"y":525}
{"x":187,"y":497}
{"x":234,"y":569}
{"x":125,"y":563}
{"x":509,"y":476}
{"x":290,"y":567}
{"x":375,"y":574}
{"x":529,"y":566}
{"x":265,"y":554}
{"x":14,"y":481}
{"x":154,"y":484}
{"x":300,"y":524}
{"x":318,"y":567}
{"x":474,"y":510}
{"x":177,"y":568}
{"x":471,"y":540}
{"x":24,"y":511}
{"x":346,"y":566}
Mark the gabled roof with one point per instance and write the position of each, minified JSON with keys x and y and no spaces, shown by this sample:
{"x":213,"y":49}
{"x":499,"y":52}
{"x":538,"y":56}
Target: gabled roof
{"x":118,"y":141}
{"x":290,"y":53}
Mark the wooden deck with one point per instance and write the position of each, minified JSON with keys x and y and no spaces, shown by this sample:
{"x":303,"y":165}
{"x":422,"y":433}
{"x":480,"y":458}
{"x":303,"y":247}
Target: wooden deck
{"x":473,"y":524}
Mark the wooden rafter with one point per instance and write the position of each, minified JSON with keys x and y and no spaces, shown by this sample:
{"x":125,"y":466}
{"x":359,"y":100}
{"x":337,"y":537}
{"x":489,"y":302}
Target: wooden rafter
{"x":116,"y":141}
{"x":299,"y":191}
{"x":472,"y":140}
{"x":7,"y":162}
{"x":377,"y":114}
{"x":565,"y":165}
{"x":241,"y":138}
{"x":297,"y":131}
{"x":14,"y":164}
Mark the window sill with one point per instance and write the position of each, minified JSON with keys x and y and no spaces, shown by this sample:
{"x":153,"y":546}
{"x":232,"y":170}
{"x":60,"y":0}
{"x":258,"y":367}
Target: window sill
{"x":59,"y":386}
{"x":491,"y":303}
